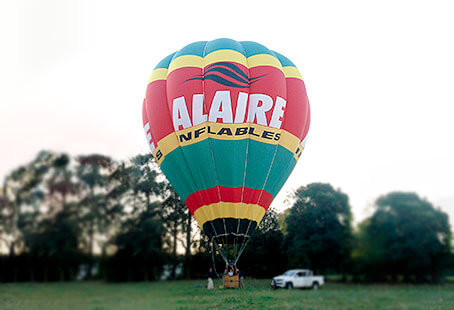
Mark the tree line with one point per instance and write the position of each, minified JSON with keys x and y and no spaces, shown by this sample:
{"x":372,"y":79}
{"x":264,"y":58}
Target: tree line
{"x":91,"y":217}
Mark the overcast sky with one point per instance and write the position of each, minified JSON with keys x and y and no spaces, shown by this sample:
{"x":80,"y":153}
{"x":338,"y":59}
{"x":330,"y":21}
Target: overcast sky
{"x":379,"y":76}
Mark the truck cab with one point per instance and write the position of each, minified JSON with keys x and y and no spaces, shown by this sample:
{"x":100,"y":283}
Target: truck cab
{"x":297,"y":278}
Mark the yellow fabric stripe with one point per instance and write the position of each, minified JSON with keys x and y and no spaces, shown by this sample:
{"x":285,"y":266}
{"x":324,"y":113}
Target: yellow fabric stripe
{"x":158,"y":74}
{"x":264,"y":60}
{"x":237,"y":210}
{"x":298,"y":152}
{"x":219,"y":131}
{"x":166,"y":145}
{"x":292,"y":72}
{"x":224,"y":55}
{"x":289,"y":141}
{"x":185,"y":61}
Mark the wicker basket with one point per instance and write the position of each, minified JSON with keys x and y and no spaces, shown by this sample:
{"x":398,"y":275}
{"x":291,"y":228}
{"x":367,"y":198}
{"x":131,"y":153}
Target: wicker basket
{"x":231,"y":281}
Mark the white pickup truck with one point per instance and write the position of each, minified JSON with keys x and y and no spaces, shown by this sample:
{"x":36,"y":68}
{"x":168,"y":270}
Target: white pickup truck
{"x":298,"y":278}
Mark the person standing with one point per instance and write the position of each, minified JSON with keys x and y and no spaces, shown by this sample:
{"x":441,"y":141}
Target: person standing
{"x":240,"y":275}
{"x":211,"y":276}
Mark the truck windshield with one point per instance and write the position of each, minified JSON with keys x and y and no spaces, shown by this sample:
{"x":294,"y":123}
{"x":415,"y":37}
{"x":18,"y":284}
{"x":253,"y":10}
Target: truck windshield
{"x":289,"y":273}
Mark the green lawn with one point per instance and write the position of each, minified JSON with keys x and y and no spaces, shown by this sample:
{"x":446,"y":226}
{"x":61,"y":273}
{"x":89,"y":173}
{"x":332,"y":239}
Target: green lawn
{"x":192,"y":295}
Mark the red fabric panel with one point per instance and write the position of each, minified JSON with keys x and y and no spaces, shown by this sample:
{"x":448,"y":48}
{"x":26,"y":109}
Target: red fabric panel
{"x":228,"y":194}
{"x":297,"y":110}
{"x":157,"y":110}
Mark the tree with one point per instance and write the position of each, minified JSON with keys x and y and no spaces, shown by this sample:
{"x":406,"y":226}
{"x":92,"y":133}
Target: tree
{"x":134,"y":190}
{"x":319,"y":232}
{"x":188,"y":243}
{"x":264,"y":256}
{"x":405,"y":236}
{"x":50,"y":230}
{"x":53,"y":244}
{"x":21,"y":190}
{"x":173,"y":215}
{"x":139,"y":254}
{"x":5,"y":204}
{"x":21,"y":195}
{"x":60,"y":184}
{"x":146,"y":174}
{"x":93,"y":172}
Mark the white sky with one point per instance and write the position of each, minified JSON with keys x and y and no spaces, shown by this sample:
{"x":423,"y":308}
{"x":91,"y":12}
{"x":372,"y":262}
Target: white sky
{"x":379,"y":75}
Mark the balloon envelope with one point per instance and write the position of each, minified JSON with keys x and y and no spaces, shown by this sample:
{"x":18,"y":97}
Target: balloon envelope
{"x":226,"y":121}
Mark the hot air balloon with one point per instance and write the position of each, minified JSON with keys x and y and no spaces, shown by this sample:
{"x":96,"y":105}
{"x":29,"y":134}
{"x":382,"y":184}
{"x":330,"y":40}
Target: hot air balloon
{"x":227,"y":122}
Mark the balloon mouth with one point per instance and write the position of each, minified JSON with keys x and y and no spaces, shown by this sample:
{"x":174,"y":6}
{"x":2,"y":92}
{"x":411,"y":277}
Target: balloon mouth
{"x":230,"y":238}
{"x":230,"y":230}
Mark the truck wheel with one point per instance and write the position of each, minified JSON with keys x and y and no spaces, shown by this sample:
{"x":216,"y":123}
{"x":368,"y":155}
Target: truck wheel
{"x":315,"y":286}
{"x":289,"y":285}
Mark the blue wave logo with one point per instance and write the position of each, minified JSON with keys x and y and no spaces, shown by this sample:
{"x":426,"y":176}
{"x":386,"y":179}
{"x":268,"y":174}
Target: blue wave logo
{"x":227,"y":74}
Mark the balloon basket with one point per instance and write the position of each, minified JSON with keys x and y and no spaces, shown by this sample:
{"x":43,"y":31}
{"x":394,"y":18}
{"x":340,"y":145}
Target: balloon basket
{"x":231,"y":281}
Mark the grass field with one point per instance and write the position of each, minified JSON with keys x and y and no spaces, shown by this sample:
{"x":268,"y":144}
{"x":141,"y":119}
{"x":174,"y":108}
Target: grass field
{"x":193,"y":295}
